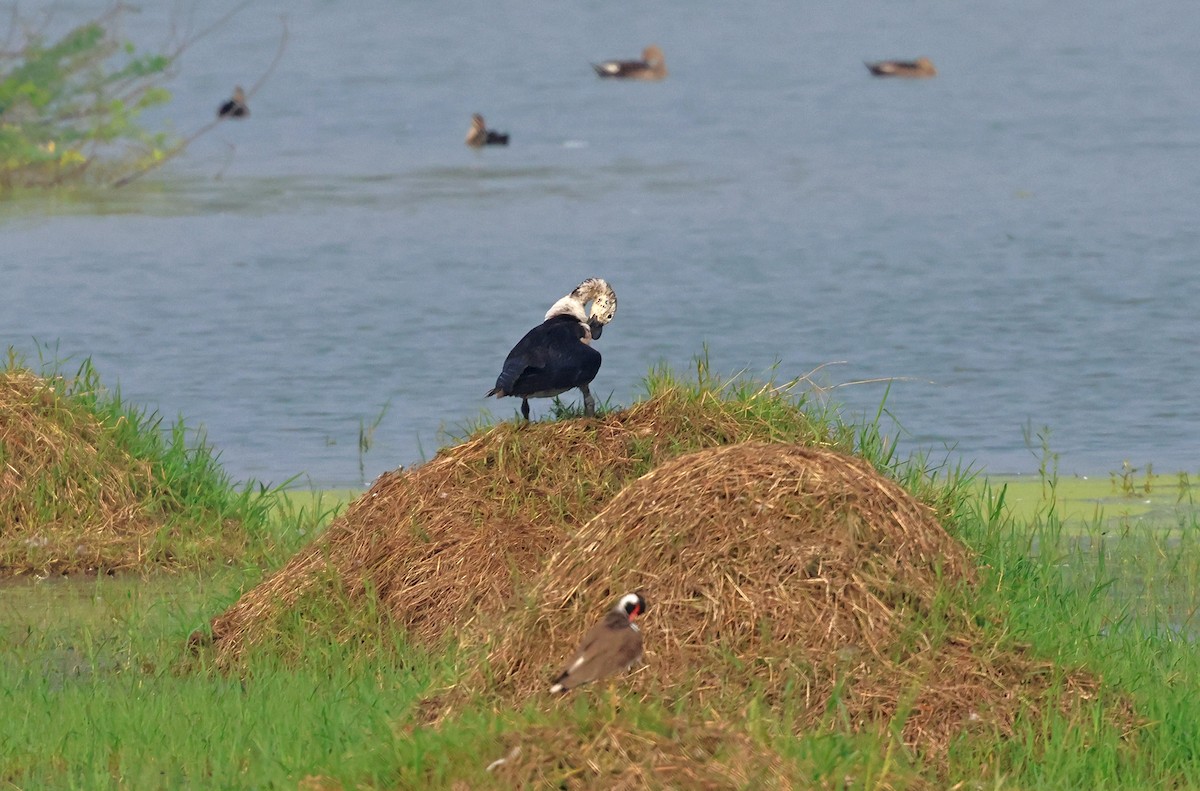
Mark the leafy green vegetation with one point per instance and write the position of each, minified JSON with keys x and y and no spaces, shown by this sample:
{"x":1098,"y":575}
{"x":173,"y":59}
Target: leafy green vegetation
{"x":103,"y":693}
{"x":69,"y":108}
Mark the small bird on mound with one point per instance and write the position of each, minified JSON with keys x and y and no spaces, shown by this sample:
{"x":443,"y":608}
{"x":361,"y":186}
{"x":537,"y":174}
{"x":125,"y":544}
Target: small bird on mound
{"x":556,"y":355}
{"x":236,"y":107}
{"x":921,"y":67}
{"x":652,"y":66}
{"x":612,"y":646}
{"x":480,"y":136}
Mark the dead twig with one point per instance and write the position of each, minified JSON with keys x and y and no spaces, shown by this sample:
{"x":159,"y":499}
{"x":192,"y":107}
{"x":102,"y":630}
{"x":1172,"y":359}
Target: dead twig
{"x":182,"y":145}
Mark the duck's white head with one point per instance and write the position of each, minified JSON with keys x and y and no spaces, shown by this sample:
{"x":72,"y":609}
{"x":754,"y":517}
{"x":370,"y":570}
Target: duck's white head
{"x":595,"y":291}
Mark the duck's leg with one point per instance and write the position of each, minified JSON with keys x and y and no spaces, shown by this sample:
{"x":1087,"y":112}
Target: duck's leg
{"x":589,"y":403}
{"x":525,"y":407}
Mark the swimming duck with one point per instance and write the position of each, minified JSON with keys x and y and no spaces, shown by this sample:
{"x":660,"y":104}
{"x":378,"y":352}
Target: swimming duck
{"x":612,"y":646}
{"x":556,"y":355}
{"x":480,"y":136}
{"x":236,"y":107}
{"x":652,"y":66}
{"x":921,"y":67}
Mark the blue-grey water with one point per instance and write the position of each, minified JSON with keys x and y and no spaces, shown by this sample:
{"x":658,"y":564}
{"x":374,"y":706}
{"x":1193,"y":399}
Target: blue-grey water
{"x":1015,"y":241}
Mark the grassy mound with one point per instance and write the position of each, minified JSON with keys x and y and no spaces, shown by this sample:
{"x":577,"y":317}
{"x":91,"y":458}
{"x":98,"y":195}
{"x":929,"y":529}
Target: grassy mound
{"x":432,"y":548}
{"x":619,"y":753}
{"x":797,"y":575}
{"x":91,"y":484}
{"x":781,"y":574}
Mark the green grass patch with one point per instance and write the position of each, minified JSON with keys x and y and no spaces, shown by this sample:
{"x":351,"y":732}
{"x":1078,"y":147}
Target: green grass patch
{"x":1122,"y":602}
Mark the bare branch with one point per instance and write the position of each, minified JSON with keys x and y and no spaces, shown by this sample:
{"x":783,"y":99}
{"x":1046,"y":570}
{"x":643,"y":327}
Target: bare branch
{"x":182,"y":145}
{"x":221,"y":21}
{"x":283,"y":39}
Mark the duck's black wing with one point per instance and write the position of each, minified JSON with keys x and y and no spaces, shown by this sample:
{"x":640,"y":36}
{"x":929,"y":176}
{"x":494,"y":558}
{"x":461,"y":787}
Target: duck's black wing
{"x":552,"y":358}
{"x":233,"y":109}
{"x":619,"y":68}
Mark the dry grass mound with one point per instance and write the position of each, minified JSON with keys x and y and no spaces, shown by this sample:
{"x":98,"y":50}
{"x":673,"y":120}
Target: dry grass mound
{"x":619,"y":754}
{"x":797,"y":574}
{"x":452,"y":540}
{"x":89,"y":483}
{"x":71,"y":497}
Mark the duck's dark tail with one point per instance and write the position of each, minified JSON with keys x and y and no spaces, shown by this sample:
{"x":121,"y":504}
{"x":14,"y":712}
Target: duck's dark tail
{"x":512,"y":370}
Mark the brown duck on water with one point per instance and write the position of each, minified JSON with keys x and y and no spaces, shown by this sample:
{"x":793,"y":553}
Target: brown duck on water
{"x":652,"y":66}
{"x":479,"y":135}
{"x":921,"y":67}
{"x":236,"y":107}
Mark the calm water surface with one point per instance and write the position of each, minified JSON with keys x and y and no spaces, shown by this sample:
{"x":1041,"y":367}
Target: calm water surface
{"x":1016,"y":240}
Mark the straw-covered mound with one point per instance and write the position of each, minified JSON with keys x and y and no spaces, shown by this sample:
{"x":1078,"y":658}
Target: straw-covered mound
{"x":617,"y":754}
{"x":71,"y":496}
{"x":791,"y":572}
{"x":89,"y":483}
{"x":432,"y":548}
